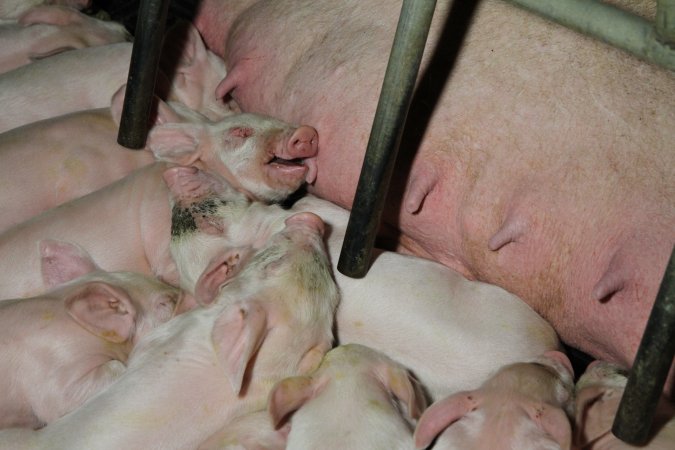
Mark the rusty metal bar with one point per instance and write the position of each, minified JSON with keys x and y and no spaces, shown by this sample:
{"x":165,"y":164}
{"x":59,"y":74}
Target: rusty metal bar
{"x":633,"y":421}
{"x":385,"y":136}
{"x":145,"y":55}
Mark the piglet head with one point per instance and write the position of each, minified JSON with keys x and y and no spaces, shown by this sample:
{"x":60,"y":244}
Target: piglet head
{"x":117,"y":306}
{"x":526,"y":398}
{"x":259,"y":155}
{"x":215,"y":228}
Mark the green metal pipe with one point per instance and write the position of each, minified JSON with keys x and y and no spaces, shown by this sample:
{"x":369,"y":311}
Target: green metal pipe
{"x":611,"y":25}
{"x":665,"y":22}
{"x":385,"y":136}
{"x":633,"y":421}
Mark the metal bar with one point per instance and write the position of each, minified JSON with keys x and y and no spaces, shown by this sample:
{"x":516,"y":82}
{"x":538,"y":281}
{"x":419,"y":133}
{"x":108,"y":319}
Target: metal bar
{"x":665,"y":22}
{"x":385,"y":136}
{"x":145,"y":55}
{"x":654,"y":358}
{"x":608,"y":24}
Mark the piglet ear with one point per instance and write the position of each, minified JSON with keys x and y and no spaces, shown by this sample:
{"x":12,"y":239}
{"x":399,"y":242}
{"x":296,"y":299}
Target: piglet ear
{"x":221,"y":269}
{"x":178,"y":143}
{"x":312,"y":358}
{"x":237,"y":334}
{"x":400,"y":383}
{"x":103,"y":310}
{"x":591,"y":424}
{"x":62,"y":261}
{"x":441,"y":415}
{"x":163,"y":113}
{"x":183,"y":44}
{"x":289,"y":395}
{"x":554,"y":422}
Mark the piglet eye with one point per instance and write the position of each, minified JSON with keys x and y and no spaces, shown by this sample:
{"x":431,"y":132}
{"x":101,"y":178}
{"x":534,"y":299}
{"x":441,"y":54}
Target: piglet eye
{"x":241,"y":132}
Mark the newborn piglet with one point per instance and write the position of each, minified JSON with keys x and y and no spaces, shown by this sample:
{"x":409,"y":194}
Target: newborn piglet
{"x":59,"y":348}
{"x":350,"y":401}
{"x":524,"y":406}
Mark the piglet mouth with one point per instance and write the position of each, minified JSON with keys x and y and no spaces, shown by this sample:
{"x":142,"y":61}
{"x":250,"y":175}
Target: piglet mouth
{"x":296,"y":168}
{"x":291,"y":159}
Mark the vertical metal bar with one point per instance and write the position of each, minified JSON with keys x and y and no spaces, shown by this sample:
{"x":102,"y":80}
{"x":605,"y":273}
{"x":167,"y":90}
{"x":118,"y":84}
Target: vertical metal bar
{"x":145,"y":55}
{"x":665,"y":22}
{"x":609,"y":24}
{"x":385,"y":136}
{"x":654,"y":358}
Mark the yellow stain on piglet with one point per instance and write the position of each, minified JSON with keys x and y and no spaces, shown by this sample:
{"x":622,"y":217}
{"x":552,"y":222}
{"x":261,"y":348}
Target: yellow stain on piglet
{"x":111,"y":334}
{"x":71,"y":173}
{"x":74,"y":166}
{"x":48,"y":315}
{"x":376,"y":405}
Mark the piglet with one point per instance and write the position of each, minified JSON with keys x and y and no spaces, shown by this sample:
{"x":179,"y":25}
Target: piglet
{"x":523,"y":406}
{"x":249,"y":150}
{"x":204,"y":369}
{"x":252,"y":431}
{"x":71,"y":156}
{"x":44,"y":31}
{"x":350,"y":401}
{"x":12,"y":9}
{"x":598,"y":394}
{"x":453,"y":333}
{"x":87,"y":79}
{"x":60,"y":348}
{"x":126,"y":225}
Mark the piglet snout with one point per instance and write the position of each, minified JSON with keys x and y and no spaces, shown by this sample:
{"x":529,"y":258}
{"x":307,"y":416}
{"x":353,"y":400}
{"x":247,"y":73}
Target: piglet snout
{"x":304,"y":142}
{"x":306,"y":220}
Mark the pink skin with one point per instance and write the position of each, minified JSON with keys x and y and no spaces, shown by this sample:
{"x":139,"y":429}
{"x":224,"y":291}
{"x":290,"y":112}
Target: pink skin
{"x":63,"y":168}
{"x":251,"y":431}
{"x":47,"y":30}
{"x":215,"y":364}
{"x":60,"y":168}
{"x":100,"y":73}
{"x":66,"y":345}
{"x":579,"y":225}
{"x":277,"y":155}
{"x":124,"y":226}
{"x":523,"y":406}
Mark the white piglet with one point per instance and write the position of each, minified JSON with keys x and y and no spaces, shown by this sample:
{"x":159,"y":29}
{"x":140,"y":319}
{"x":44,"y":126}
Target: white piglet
{"x":523,"y":406}
{"x":58,"y":349}
{"x":202,"y":370}
{"x":45,"y":31}
{"x":12,"y":9}
{"x":87,"y":78}
{"x":354,"y":400}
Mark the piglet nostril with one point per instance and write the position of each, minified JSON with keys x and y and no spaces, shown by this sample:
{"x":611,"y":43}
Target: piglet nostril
{"x":304,"y":142}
